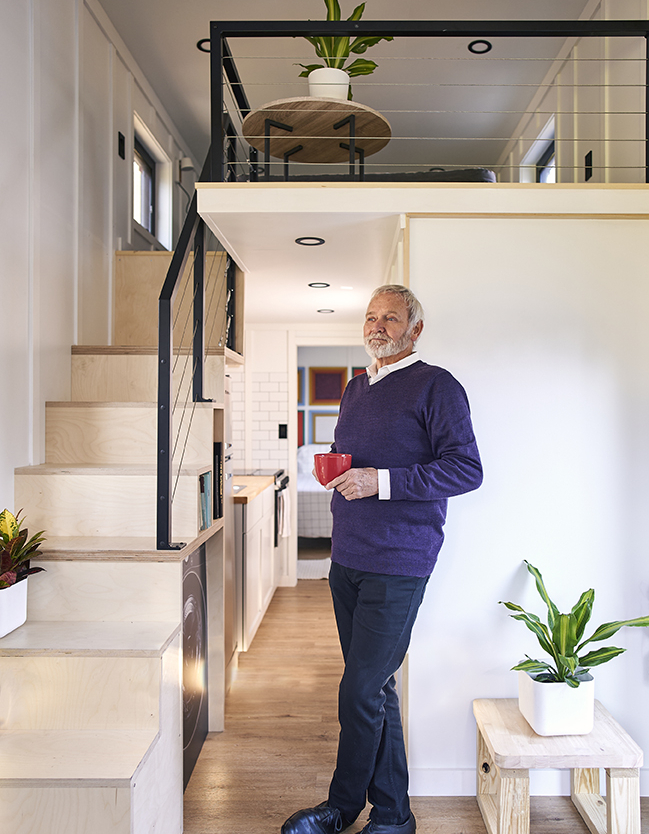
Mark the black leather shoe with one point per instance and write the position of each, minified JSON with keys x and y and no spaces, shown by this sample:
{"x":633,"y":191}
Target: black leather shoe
{"x":319,"y":820}
{"x":407,"y":827}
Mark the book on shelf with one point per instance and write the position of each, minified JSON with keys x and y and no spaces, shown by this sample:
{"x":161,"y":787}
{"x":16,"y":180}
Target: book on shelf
{"x":205,"y":485}
{"x":218,"y":477}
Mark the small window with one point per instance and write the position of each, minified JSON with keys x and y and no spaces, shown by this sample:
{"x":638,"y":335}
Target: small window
{"x":144,"y":187}
{"x":546,"y":166}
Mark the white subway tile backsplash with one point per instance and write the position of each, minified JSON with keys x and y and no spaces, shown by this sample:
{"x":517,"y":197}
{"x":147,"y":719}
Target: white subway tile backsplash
{"x":260,"y":376}
{"x":277,"y":396}
{"x":279,"y":376}
{"x":269,"y":386}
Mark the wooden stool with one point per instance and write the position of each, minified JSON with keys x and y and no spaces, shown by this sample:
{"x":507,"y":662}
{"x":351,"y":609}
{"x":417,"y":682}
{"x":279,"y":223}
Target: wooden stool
{"x":508,"y":748}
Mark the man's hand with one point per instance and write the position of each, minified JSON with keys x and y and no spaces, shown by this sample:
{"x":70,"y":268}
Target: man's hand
{"x":356,"y":483}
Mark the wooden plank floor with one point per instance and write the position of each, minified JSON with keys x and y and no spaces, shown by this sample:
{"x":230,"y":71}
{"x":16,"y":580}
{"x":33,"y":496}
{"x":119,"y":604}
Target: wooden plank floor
{"x":278,"y":749}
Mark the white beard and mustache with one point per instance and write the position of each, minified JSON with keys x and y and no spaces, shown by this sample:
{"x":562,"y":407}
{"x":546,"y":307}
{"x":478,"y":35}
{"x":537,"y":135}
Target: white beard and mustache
{"x":380,"y":345}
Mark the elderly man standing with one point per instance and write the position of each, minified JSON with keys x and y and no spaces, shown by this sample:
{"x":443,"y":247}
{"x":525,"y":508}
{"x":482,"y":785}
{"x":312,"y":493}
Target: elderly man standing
{"x":408,"y":428}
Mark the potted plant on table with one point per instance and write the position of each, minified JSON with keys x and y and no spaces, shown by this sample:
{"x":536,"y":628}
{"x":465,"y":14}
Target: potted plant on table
{"x":15,"y":552}
{"x":556,"y":697}
{"x":330,"y":79}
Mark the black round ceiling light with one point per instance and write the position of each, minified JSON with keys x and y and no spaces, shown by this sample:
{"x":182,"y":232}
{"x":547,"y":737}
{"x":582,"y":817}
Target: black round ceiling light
{"x":310,"y":241}
{"x":480,"y":47}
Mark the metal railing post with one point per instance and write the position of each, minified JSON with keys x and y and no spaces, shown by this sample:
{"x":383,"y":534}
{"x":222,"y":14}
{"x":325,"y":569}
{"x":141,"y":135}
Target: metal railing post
{"x":165,"y":352}
{"x":216,"y":102}
{"x":646,"y":108}
{"x":198,"y":341}
{"x":165,"y":371}
{"x":231,"y":307}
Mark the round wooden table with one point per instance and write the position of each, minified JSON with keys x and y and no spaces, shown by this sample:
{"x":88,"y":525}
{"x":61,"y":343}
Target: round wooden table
{"x":316,"y":127}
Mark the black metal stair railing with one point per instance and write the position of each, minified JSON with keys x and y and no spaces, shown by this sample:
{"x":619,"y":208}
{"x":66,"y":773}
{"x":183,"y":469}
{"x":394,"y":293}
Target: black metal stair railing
{"x":191,"y":244}
{"x":192,"y":241}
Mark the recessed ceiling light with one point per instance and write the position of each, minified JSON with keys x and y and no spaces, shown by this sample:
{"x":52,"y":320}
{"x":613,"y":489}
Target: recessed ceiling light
{"x":310,"y":241}
{"x":319,"y":285}
{"x":480,"y":47}
{"x":326,"y":311}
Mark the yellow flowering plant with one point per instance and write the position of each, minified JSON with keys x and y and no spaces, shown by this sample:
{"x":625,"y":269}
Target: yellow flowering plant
{"x":16,"y":549}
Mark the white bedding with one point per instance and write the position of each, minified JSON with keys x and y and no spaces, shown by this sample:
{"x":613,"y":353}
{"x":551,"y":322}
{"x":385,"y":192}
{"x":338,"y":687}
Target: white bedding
{"x":313,"y":500}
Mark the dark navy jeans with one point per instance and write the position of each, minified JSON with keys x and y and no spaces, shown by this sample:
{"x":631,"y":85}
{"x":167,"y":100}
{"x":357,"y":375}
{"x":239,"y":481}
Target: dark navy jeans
{"x":375,"y":614}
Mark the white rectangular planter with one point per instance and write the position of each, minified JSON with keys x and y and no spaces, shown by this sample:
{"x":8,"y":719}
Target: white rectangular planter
{"x":13,"y":607}
{"x":556,"y":709}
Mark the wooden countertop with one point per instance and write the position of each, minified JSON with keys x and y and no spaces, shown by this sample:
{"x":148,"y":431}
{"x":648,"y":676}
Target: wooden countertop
{"x":253,"y":485}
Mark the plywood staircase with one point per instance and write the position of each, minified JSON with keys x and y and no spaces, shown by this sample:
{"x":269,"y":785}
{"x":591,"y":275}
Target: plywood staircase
{"x":90,"y":686}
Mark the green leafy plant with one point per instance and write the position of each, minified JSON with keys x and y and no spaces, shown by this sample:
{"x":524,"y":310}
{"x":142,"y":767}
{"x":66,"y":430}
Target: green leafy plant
{"x":562,"y":638}
{"x":335,"y":51}
{"x":16,"y":549}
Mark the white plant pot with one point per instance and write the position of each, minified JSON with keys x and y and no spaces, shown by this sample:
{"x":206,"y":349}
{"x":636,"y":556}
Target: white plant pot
{"x":13,"y":607}
{"x":556,"y":709}
{"x":328,"y":82}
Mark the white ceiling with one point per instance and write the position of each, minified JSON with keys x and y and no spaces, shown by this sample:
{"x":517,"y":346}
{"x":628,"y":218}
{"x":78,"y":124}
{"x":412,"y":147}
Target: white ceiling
{"x":162,"y":36}
{"x":355,"y":258}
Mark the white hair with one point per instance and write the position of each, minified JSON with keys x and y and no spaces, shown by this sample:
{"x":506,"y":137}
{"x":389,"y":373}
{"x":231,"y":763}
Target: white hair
{"x":415,"y":310}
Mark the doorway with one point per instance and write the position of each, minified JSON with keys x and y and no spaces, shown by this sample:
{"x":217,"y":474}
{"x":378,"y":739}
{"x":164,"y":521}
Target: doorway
{"x":322,"y":373}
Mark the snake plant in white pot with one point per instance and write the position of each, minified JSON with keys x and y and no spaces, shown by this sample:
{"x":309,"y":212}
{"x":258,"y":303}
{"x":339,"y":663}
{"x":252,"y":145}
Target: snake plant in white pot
{"x":556,"y":697}
{"x":15,"y":552}
{"x":330,"y":79}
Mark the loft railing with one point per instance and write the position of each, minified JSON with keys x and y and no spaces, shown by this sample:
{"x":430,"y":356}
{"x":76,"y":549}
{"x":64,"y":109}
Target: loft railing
{"x":222,"y":64}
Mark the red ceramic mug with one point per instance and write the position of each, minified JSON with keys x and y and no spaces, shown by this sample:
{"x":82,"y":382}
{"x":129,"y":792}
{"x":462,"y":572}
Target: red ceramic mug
{"x":330,"y":466}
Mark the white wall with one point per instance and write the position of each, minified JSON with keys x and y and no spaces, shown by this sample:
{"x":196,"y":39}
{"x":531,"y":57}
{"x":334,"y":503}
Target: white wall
{"x":69,"y":86}
{"x":596,"y":91}
{"x":544,"y":322}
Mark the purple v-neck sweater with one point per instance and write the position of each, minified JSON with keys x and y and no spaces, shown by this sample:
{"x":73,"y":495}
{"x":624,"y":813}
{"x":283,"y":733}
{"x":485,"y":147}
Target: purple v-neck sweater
{"x":416,"y":423}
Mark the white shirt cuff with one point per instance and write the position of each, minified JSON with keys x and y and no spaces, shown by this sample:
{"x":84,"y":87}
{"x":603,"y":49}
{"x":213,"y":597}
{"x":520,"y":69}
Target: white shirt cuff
{"x":384,"y":484}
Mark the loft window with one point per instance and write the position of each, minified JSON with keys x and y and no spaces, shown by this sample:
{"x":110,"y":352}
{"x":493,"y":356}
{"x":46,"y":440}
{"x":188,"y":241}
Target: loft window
{"x":546,"y":165}
{"x":144,"y":187}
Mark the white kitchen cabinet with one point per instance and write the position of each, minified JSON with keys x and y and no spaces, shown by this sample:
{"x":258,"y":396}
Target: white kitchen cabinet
{"x":254,"y":529}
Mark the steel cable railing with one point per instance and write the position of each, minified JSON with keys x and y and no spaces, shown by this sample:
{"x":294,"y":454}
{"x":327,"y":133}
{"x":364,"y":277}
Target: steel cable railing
{"x":423,"y":138}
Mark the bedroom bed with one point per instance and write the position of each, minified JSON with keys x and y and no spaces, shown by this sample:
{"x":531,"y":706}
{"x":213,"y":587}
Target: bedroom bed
{"x":313,"y":500}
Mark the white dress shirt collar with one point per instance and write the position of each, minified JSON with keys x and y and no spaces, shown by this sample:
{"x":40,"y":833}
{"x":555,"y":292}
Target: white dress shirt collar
{"x":375,"y":374}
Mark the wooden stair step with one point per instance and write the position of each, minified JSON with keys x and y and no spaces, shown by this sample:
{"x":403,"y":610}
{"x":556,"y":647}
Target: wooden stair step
{"x":107,"y":469}
{"x":88,"y":758}
{"x":118,"y":548}
{"x":139,"y":277}
{"x":124,"y":433}
{"x":130,"y":374}
{"x":93,"y":500}
{"x":89,"y":639}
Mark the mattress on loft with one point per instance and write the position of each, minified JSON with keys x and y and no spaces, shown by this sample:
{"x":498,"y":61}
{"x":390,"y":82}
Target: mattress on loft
{"x":433,"y":175}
